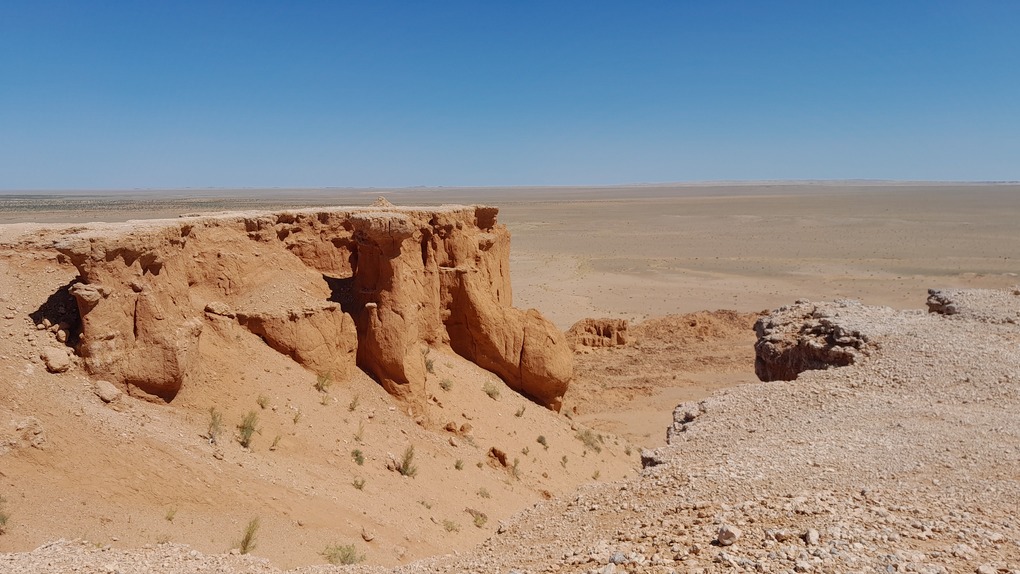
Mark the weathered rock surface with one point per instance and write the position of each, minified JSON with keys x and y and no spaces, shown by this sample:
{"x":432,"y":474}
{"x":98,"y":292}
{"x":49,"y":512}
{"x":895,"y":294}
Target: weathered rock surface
{"x":598,"y":333}
{"x":18,"y":432}
{"x":56,"y":359}
{"x":988,"y":305}
{"x":808,"y":336}
{"x":334,"y":289}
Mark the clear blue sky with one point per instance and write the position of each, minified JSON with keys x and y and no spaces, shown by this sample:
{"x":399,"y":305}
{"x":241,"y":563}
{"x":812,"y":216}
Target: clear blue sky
{"x":107,"y":94}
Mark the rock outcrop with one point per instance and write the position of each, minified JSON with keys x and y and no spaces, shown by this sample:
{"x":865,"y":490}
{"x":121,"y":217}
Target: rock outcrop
{"x":807,"y":336}
{"x":597,"y":333}
{"x":335,"y":289}
{"x":987,"y":305}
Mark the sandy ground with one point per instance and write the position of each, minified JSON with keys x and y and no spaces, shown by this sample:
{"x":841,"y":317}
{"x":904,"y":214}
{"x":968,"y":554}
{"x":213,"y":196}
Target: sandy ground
{"x":641,"y":253}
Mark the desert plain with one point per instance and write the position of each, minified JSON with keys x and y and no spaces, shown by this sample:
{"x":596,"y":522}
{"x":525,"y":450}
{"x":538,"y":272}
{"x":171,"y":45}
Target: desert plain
{"x":906,"y":460}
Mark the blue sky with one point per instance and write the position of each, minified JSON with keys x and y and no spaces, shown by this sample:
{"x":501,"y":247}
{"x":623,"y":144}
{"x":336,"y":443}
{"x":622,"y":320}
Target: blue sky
{"x":316,"y":94}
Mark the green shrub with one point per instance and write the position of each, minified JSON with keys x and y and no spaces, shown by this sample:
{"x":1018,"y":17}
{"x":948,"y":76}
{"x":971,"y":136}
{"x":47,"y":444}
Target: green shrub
{"x":590,"y":439}
{"x":262,"y":401}
{"x":323,"y":381}
{"x":215,"y":425}
{"x":459,"y":465}
{"x":359,"y":483}
{"x":358,"y":456}
{"x":491,"y":389}
{"x":345,"y":554}
{"x":407,"y":467}
{"x":247,"y":543}
{"x":247,"y":428}
{"x":541,"y":440}
{"x":446,"y":384}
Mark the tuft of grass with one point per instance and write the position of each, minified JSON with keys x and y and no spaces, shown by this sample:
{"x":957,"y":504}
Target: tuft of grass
{"x":276,"y":442}
{"x":353,"y":405}
{"x":407,"y":467}
{"x":430,"y":365}
{"x":595,"y":475}
{"x":541,"y":440}
{"x":4,"y":515}
{"x":262,"y":401}
{"x":520,"y":411}
{"x":360,"y":435}
{"x":297,"y":416}
{"x":358,"y":456}
{"x":515,"y":470}
{"x":491,"y":389}
{"x":590,"y":439}
{"x":446,"y":384}
{"x":451,"y":526}
{"x":342,"y":554}
{"x":323,"y":381}
{"x":563,"y":461}
{"x":484,"y":493}
{"x":525,"y":451}
{"x":459,"y":464}
{"x":626,"y":450}
{"x":359,"y":483}
{"x":247,"y":428}
{"x":170,"y":514}
{"x":478,"y":517}
{"x":247,"y":543}
{"x":215,"y":429}
{"x":324,"y":400}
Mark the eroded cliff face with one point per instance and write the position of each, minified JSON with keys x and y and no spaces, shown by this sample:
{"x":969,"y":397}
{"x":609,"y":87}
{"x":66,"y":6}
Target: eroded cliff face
{"x":809,"y":336}
{"x":335,"y":289}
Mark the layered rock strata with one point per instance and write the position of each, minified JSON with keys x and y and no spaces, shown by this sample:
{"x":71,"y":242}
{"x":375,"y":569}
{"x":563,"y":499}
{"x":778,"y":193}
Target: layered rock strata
{"x":808,"y":336}
{"x":335,"y":289}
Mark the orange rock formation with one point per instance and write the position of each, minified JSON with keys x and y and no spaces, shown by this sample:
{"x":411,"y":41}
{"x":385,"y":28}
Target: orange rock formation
{"x":335,"y":289}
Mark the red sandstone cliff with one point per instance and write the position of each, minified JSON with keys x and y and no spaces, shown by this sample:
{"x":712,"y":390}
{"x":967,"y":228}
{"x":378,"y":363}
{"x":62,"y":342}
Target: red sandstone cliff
{"x":335,"y":289}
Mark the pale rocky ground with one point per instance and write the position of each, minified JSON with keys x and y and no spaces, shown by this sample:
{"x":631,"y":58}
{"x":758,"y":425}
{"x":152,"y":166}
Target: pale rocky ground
{"x":908,"y":460}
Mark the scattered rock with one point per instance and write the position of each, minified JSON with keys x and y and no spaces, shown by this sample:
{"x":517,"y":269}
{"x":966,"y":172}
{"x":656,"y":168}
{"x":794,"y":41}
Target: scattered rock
{"x":106,"y":391}
{"x":811,"y":537}
{"x":56,"y":359}
{"x":728,"y":534}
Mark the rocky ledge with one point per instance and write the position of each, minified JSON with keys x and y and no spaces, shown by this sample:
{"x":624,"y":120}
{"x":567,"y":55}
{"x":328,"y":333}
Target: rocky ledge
{"x":335,"y":289}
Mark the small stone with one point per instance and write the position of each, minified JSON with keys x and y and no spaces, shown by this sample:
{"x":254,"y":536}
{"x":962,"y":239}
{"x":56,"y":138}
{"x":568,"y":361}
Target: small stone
{"x":609,"y":569}
{"x":987,"y":569}
{"x":367,"y":535}
{"x":106,"y":391}
{"x":811,"y":537}
{"x":728,"y":534}
{"x":56,"y":359}
{"x":617,"y":558}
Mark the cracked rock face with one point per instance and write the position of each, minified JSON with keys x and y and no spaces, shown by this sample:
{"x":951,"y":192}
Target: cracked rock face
{"x":335,"y":289}
{"x":807,"y":336}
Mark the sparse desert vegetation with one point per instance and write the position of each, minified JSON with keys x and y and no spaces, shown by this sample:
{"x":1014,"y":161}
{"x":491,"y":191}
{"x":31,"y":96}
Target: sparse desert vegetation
{"x":249,"y":536}
{"x":407,"y":466}
{"x":247,"y":428}
{"x":342,"y":554}
{"x":492,"y":390}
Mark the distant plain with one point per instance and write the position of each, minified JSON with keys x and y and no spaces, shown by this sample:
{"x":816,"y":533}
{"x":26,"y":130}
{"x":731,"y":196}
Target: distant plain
{"x":648,"y":250}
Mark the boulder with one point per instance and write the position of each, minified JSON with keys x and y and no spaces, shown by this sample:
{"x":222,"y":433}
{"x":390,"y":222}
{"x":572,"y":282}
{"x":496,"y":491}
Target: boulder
{"x":56,"y":359}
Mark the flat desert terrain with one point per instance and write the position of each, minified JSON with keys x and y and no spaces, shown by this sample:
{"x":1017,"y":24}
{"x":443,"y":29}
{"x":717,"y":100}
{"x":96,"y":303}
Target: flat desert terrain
{"x":691,"y":267}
